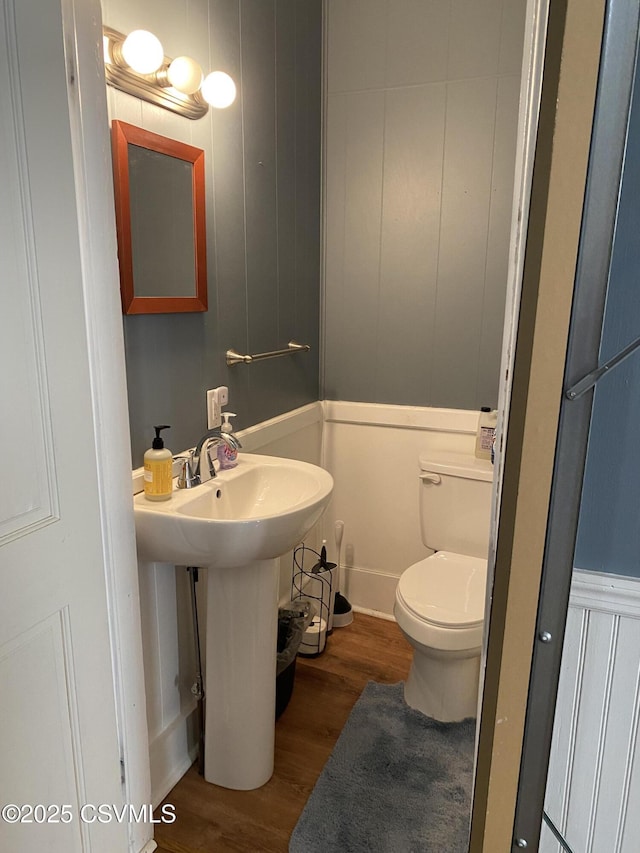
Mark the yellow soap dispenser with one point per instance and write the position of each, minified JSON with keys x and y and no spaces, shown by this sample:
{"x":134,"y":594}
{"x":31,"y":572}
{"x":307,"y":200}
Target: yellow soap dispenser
{"x":158,"y":469}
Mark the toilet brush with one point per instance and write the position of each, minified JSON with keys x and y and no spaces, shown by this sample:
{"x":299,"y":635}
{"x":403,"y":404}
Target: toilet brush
{"x":342,"y":612}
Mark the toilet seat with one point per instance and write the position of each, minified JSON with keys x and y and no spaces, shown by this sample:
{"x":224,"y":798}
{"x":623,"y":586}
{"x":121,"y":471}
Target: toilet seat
{"x":440,"y":601}
{"x":446,"y":589}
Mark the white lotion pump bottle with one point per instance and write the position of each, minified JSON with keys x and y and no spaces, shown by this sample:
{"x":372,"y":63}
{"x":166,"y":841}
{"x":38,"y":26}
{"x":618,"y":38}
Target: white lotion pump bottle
{"x":227,"y":456}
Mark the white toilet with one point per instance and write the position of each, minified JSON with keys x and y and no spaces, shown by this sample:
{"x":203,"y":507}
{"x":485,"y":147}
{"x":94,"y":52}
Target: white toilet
{"x":440,"y":600}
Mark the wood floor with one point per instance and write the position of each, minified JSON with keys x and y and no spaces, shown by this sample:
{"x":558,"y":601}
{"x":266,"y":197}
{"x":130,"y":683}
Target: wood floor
{"x":210,"y":819}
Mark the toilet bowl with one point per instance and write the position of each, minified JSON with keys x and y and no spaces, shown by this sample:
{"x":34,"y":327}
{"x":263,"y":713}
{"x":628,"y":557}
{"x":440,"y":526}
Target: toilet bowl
{"x":439,"y":607}
{"x":439,"y":603}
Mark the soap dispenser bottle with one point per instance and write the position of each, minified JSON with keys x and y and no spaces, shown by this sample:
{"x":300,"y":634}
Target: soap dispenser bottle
{"x":486,"y":431}
{"x":227,"y":456}
{"x":158,"y":469}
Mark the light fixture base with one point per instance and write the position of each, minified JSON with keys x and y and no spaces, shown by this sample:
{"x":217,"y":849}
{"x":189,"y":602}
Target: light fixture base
{"x":149,"y":87}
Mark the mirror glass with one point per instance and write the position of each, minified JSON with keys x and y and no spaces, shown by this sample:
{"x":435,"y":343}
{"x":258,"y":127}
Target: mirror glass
{"x":159,"y":192}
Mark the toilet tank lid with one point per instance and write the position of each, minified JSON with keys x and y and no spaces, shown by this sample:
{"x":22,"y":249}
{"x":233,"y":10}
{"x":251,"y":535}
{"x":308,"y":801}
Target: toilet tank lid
{"x":456,"y":465}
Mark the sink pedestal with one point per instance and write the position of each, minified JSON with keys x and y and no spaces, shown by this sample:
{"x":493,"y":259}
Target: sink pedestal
{"x":240,"y":674}
{"x":235,"y":524}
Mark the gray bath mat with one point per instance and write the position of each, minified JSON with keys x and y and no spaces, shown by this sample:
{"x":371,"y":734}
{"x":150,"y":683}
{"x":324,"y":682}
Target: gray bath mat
{"x":396,"y":781}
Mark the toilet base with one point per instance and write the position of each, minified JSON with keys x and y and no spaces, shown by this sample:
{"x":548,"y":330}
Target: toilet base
{"x":444,"y":684}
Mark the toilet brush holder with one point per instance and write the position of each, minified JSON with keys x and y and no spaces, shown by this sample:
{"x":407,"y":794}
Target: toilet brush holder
{"x":342,"y":612}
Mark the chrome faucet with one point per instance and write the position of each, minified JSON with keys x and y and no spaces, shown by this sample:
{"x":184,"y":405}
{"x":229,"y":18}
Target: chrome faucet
{"x":191,"y":471}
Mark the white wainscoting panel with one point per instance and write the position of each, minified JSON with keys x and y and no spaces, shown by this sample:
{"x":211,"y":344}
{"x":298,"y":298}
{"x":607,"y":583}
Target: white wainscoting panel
{"x":593,"y":784}
{"x":371,"y":451}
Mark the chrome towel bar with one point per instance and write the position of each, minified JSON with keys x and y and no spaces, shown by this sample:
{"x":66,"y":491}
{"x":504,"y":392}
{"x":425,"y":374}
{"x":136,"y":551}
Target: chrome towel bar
{"x":234,"y":357}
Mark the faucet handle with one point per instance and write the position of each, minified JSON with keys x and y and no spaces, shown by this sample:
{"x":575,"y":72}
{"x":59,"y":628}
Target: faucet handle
{"x":187,"y":479}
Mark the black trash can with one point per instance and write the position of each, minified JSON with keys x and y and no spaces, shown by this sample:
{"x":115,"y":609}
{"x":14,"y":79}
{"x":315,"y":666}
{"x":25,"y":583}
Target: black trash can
{"x":292,"y":622}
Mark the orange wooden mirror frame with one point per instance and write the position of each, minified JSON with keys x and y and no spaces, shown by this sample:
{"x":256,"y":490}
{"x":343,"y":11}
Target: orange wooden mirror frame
{"x":122,"y":135}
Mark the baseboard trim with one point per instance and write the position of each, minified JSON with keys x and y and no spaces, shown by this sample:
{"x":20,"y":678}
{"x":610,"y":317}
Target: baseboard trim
{"x":593,"y":763}
{"x":170,"y":757}
{"x":388,"y":617}
{"x":369,"y":591}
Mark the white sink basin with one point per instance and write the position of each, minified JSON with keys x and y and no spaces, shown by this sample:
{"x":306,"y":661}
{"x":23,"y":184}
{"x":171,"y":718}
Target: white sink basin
{"x":256,"y":511}
{"x":236,"y":525}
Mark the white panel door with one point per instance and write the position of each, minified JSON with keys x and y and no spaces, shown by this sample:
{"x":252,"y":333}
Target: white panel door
{"x":58,"y":737}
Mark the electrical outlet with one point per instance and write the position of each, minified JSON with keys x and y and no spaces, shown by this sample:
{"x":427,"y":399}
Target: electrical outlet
{"x":216,"y":399}
{"x":214,"y":419}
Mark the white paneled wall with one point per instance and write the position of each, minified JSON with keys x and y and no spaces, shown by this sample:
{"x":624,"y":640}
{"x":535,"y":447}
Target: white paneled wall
{"x":422,"y":105}
{"x":593,"y":784}
{"x":372,"y":453}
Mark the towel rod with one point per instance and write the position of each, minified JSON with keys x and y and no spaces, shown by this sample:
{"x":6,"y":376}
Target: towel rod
{"x":234,"y":357}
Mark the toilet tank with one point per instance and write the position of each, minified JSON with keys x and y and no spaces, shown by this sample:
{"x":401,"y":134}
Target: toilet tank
{"x":455,"y":502}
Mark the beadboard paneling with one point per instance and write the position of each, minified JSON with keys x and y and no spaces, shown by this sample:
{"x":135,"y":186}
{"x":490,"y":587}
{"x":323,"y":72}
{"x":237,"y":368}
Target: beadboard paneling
{"x":594,"y":773}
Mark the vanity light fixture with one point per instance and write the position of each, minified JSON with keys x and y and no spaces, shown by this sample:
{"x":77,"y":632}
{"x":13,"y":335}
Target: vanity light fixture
{"x":185,"y":75}
{"x":142,"y":52}
{"x":136,"y":64}
{"x":218,"y":89}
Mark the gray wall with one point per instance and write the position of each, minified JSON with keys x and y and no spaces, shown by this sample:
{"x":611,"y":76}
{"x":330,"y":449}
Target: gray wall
{"x":609,"y":527}
{"x":263,"y":214}
{"x":421,"y":128}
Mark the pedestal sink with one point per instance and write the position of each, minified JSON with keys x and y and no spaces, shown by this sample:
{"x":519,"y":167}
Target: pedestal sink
{"x":237,"y":525}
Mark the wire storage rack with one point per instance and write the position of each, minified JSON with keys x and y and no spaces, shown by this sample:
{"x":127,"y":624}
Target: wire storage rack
{"x":311,"y":582}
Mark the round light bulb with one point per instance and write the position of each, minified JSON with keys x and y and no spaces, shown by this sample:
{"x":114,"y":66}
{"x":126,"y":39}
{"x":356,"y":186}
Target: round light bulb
{"x":218,"y":89}
{"x":185,"y":75}
{"x":143,"y":52}
{"x":106,"y":50}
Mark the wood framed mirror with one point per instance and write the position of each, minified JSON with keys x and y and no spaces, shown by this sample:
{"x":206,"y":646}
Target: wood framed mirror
{"x":160,"y":219}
